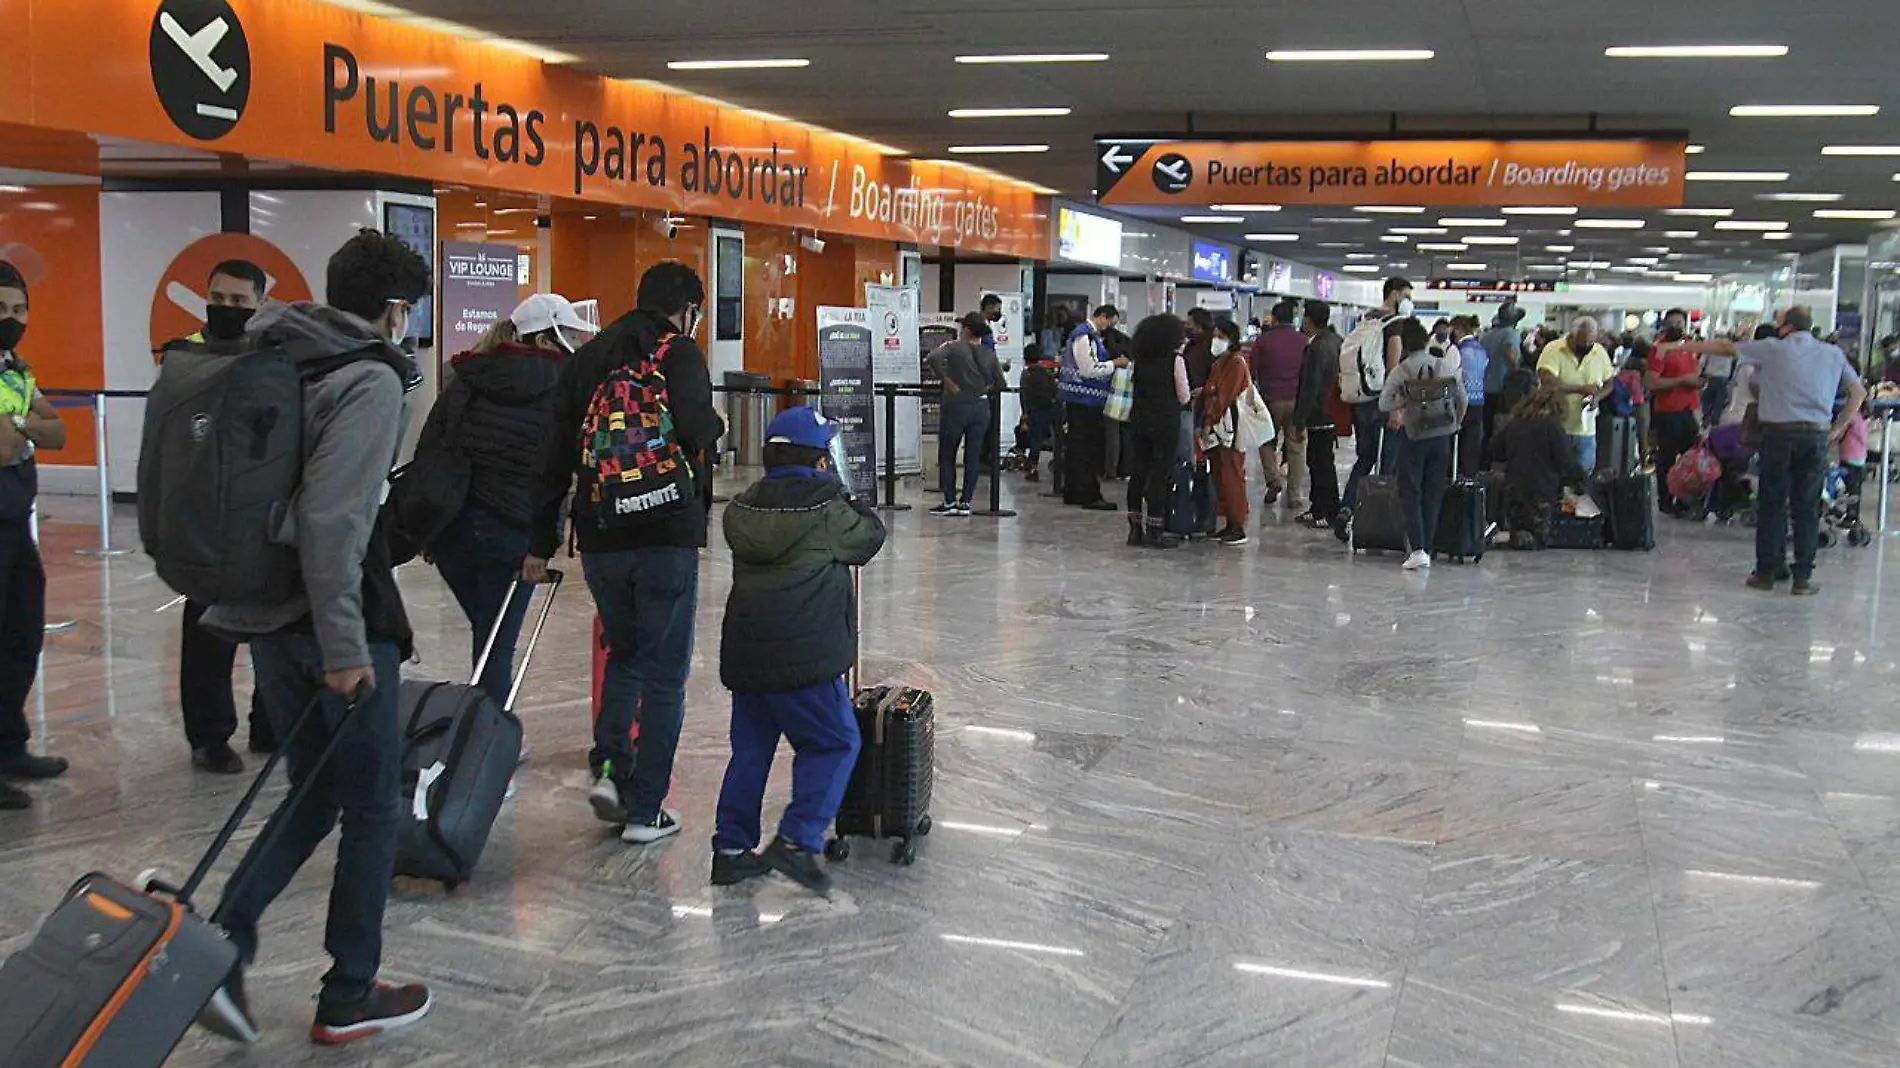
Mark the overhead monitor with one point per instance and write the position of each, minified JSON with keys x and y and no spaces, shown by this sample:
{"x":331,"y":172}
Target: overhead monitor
{"x":1212,"y":263}
{"x":1086,"y":238}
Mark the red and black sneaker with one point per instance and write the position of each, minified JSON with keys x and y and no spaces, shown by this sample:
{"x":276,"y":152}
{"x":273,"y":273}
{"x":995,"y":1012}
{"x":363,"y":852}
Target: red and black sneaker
{"x":387,"y":1007}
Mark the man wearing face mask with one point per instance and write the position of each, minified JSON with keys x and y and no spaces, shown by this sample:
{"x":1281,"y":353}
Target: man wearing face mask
{"x":232,"y":295}
{"x":643,"y":570}
{"x":1578,"y":369}
{"x":341,"y":641}
{"x":27,"y":424}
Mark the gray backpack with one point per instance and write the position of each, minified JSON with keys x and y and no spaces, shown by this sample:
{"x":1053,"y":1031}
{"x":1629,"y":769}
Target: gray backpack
{"x":220,"y":463}
{"x":1433,"y":402}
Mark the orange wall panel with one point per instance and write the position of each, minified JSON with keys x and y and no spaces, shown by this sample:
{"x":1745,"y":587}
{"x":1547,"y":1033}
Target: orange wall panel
{"x":51,"y":233}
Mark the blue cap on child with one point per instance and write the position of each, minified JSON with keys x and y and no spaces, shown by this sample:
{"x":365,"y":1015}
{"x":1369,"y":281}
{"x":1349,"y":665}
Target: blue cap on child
{"x":801,"y":426}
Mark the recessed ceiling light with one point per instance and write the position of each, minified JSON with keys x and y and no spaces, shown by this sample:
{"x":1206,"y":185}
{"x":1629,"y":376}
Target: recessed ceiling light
{"x":1338,"y":244}
{"x":1780,"y":235}
{"x":1712,"y":213}
{"x":1427,"y":231}
{"x":1390,"y":209}
{"x":1271,"y":237}
{"x":1855,"y":213}
{"x":1684,"y":276}
{"x":1736,"y":176}
{"x":1609,"y":224}
{"x":1646,"y":261}
{"x":1396,"y":239}
{"x":1803,"y":111}
{"x":1243,"y":207}
{"x":1348,"y":55}
{"x":1560,"y":248}
{"x":1860,"y":150}
{"x":1362,"y":255}
{"x":1696,"y":150}
{"x":995,"y":150}
{"x":1801,"y":198}
{"x":1464,"y":267}
{"x":1040,"y":57}
{"x":1343,"y":221}
{"x":1212,"y":219}
{"x":590,"y":218}
{"x":1397,"y":266}
{"x":1636,"y":267}
{"x":1361,"y":268}
{"x":1489,"y":239}
{"x":737,"y":64}
{"x":1696,"y":51}
{"x":1682,"y":233}
{"x":1750,"y":224}
{"x":1538,"y":211}
{"x":1443,"y":247}
{"x":1470,"y":222}
{"x":1008,"y":113}
{"x":1656,"y":248}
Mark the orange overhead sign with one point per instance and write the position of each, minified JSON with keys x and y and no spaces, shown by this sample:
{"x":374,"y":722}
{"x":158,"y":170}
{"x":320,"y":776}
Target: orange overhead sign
{"x":1625,"y":173}
{"x":315,"y":84}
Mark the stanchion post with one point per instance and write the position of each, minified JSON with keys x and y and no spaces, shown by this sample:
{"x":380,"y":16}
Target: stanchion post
{"x":996,"y":509}
{"x":1058,"y":450}
{"x":1886,"y":468}
{"x":100,"y":445}
{"x":890,"y":451}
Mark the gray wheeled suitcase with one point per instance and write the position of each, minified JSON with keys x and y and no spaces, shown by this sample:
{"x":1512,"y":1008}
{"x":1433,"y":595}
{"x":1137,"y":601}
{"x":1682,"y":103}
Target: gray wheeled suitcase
{"x":889,"y":792}
{"x":116,"y":975}
{"x":459,"y":753}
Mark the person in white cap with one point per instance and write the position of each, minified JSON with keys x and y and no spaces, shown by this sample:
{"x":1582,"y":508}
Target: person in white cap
{"x":492,"y":421}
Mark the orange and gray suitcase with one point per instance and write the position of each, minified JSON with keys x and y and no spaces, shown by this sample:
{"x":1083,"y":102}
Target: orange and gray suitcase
{"x":889,"y":792}
{"x":116,"y":975}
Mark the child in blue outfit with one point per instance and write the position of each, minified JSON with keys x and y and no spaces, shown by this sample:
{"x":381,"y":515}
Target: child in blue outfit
{"x":789,"y":638}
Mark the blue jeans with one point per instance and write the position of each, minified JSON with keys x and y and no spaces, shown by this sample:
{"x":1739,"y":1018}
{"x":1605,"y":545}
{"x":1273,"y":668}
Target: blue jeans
{"x":823,"y":729}
{"x":647,"y":599}
{"x":361,"y":785}
{"x":479,"y":557}
{"x":1792,"y":463}
{"x":964,"y":424}
{"x":1424,"y":468}
{"x":1368,"y":426}
{"x":1040,"y":422}
{"x":1586,"y":446}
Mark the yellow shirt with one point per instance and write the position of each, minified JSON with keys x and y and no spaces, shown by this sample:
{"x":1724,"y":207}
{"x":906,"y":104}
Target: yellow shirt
{"x":1593,"y":370}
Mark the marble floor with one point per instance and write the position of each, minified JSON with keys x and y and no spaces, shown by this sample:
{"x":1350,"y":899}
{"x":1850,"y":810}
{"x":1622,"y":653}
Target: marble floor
{"x":1271,"y":806}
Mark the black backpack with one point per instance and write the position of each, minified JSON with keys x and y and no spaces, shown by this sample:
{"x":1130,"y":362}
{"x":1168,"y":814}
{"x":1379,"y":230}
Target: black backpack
{"x":220,"y":464}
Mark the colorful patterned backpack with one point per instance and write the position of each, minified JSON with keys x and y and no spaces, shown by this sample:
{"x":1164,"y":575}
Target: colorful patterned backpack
{"x":640,"y":473}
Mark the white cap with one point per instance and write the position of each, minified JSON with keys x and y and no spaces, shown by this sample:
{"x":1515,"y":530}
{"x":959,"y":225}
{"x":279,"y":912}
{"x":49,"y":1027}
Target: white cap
{"x":545,"y":311}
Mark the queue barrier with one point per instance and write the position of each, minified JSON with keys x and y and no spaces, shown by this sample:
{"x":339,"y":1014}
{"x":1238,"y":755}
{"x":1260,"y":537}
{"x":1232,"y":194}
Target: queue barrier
{"x":101,"y":441}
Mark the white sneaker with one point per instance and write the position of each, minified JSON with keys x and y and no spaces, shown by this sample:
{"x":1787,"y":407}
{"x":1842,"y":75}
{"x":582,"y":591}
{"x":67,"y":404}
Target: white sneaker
{"x":605,"y":797}
{"x":1419,"y":559}
{"x":664,"y":825}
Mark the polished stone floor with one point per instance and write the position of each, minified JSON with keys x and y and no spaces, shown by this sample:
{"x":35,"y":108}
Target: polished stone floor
{"x":1271,"y":806}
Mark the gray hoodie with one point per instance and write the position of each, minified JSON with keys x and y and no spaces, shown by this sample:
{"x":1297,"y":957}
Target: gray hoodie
{"x":1417,"y":367}
{"x":353,"y":418}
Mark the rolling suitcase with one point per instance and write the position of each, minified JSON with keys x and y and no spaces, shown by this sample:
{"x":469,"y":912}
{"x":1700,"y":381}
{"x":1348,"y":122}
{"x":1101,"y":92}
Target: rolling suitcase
{"x":1463,"y":524}
{"x":1629,"y":511}
{"x":459,"y":753}
{"x":1378,"y":517}
{"x":1571,"y":531}
{"x":116,"y":975}
{"x":1191,"y":506}
{"x":889,"y":792}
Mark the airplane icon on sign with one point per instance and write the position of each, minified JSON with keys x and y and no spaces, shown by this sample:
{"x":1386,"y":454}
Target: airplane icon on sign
{"x":198,"y":47}
{"x":1178,"y":170}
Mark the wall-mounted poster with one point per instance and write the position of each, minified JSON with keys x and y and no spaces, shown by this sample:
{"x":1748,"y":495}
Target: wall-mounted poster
{"x":892,"y":314}
{"x":478,"y":291}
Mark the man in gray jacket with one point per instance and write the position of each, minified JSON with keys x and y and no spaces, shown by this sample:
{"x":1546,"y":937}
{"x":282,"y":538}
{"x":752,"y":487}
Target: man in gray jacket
{"x":340,"y":641}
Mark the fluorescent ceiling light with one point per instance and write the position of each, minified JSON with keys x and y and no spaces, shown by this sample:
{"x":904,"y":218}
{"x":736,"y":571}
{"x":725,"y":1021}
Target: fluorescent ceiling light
{"x":1338,"y":244}
{"x":1538,"y":211}
{"x":1696,"y":51}
{"x":1489,"y":239}
{"x":1854,"y":213}
{"x":737,"y":64}
{"x":1749,"y":224}
{"x":1860,"y":150}
{"x":1361,"y":268}
{"x":1362,"y":255}
{"x":1396,"y":239}
{"x":1339,"y":221}
{"x":1426,"y":231}
{"x":1271,"y":237}
{"x":1712,"y":213}
{"x":1008,"y":113}
{"x":1471,"y":222}
{"x":1592,"y":265}
{"x":1779,"y":235}
{"x":1348,"y":55}
{"x":1212,"y":219}
{"x":1040,"y":57}
{"x":1696,"y":150}
{"x":1636,"y":267}
{"x":1426,"y":246}
{"x":1801,"y":198}
{"x":995,"y":150}
{"x":1544,"y":267}
{"x":1244,"y":207}
{"x":1467,"y":267}
{"x":1394,"y":267}
{"x":1560,"y":248}
{"x":1389,"y":209}
{"x":1736,"y":176}
{"x":1609,"y":224}
{"x":1682,"y":233}
{"x":1803,"y":111}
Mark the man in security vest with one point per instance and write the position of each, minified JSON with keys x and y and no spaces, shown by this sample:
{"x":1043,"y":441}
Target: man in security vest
{"x":1082,"y":383}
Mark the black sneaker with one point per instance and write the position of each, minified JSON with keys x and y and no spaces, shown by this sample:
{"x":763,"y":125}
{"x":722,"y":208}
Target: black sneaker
{"x":1101,"y":506}
{"x":947,"y":508}
{"x":28,"y":766}
{"x":797,"y":865}
{"x":14,"y":799}
{"x":387,"y":1007}
{"x":228,"y":1013}
{"x":260,"y":743}
{"x":1232,"y":536}
{"x":731,"y":869}
{"x":217,"y":759}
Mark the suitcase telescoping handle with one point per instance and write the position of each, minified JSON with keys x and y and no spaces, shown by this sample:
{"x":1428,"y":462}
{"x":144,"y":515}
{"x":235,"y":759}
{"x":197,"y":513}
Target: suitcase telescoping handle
{"x":555,"y":577}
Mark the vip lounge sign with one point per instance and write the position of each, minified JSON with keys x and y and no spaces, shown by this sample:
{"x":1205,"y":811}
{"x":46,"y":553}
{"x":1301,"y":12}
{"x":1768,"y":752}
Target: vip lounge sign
{"x":478,"y":291}
{"x":1609,"y":172}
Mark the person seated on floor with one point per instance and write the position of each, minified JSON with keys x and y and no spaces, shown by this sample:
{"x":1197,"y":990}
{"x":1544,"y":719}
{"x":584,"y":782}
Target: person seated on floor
{"x":789,"y":638}
{"x":1538,"y":460}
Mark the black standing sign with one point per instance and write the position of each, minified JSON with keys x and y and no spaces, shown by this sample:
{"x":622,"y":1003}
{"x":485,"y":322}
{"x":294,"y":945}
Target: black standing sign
{"x":845,"y":393}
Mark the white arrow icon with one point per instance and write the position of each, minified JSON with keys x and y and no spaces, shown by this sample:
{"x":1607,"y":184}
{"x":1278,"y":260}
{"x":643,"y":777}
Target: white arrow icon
{"x":199,"y":46}
{"x":1115,"y":159}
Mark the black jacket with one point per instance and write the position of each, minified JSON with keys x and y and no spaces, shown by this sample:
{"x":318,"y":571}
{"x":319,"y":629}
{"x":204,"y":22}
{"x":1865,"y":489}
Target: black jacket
{"x":1537,"y":456}
{"x":697,"y":425}
{"x":792,"y":617}
{"x":502,"y":405}
{"x":1319,"y":376}
{"x":1039,"y":388}
{"x":1157,"y":407}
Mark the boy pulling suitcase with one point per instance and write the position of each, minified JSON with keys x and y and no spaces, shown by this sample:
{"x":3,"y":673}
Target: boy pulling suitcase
{"x":789,"y":638}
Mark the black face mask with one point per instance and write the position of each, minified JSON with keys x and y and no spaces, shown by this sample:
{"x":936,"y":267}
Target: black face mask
{"x":225,"y":322}
{"x":11,"y":331}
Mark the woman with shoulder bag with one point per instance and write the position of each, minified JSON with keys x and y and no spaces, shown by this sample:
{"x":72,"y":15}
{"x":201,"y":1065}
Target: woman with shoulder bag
{"x":1223,"y":424}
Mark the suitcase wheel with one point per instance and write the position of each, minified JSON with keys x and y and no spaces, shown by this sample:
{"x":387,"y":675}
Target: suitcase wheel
{"x":923,"y":826}
{"x":837,"y":850}
{"x":904,"y":852}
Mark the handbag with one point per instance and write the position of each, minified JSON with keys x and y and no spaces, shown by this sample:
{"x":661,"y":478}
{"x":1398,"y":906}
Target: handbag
{"x":1121,"y":394}
{"x":1253,"y":421}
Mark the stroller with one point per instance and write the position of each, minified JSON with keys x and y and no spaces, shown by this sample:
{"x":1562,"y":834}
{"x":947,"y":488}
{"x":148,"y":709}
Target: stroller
{"x":1840,"y":511}
{"x":1732,"y":496}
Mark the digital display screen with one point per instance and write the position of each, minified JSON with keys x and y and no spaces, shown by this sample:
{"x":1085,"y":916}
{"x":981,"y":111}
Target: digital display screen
{"x":1087,"y":238}
{"x":1212,"y":263}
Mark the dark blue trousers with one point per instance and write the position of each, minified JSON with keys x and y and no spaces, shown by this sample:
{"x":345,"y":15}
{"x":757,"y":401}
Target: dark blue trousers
{"x":823,"y":729}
